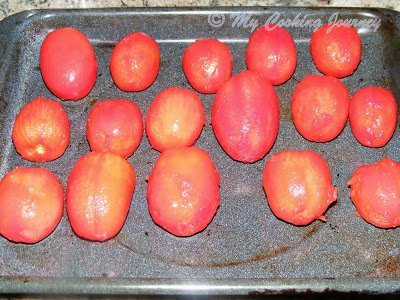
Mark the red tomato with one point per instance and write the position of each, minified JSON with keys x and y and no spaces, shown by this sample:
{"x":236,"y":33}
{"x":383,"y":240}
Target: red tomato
{"x":373,"y":115}
{"x":336,"y":50}
{"x":134,"y":62}
{"x":31,"y":204}
{"x":298,"y":185}
{"x":271,"y":52}
{"x":175,"y":119}
{"x":115,"y":126}
{"x":245,"y":116}
{"x":99,"y":192}
{"x":207,"y":65}
{"x":375,"y":192}
{"x":320,"y":107}
{"x":68,"y":64}
{"x":183,"y":190}
{"x":41,"y":130}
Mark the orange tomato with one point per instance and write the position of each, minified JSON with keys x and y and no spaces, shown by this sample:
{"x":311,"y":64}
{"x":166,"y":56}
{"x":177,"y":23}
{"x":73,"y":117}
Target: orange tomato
{"x":31,"y":204}
{"x":320,"y":107}
{"x":135,"y":62}
{"x":41,"y":130}
{"x":336,"y":50}
{"x":99,"y":193}
{"x":207,"y":65}
{"x":175,"y":119}
{"x":183,"y":190}
{"x":298,"y":185}
{"x":375,"y":192}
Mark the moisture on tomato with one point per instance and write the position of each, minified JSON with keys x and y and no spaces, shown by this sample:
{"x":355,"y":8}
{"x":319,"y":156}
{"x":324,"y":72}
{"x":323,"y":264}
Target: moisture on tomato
{"x":298,"y":185}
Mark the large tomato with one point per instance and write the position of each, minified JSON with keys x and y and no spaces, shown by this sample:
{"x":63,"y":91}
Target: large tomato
{"x":68,"y":63}
{"x":183,"y":190}
{"x":99,"y":193}
{"x":31,"y":204}
{"x":298,"y":185}
{"x":375,"y":192}
{"x":245,"y":116}
{"x":41,"y":130}
{"x":373,"y":116}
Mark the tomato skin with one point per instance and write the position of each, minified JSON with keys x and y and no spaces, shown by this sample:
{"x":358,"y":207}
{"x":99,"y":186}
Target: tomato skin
{"x":68,"y":64}
{"x":175,"y":119}
{"x":271,"y":51}
{"x":207,"y":64}
{"x":135,"y":62}
{"x":336,"y":50}
{"x":41,"y":130}
{"x":245,"y":116}
{"x":375,"y":192}
{"x":99,"y":192}
{"x":183,"y":190}
{"x":298,"y":185}
{"x":31,"y":204}
{"x":320,"y":107}
{"x":373,"y":116}
{"x":115,"y":126}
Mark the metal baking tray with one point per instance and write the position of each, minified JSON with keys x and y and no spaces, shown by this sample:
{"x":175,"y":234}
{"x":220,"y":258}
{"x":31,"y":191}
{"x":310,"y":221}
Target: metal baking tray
{"x":246,"y":249}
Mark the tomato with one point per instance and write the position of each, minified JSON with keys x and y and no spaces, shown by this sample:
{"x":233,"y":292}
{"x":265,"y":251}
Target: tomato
{"x":245,"y":116}
{"x":336,"y":50}
{"x":41,"y":130}
{"x":375,"y":192}
{"x":298,"y":185}
{"x":373,"y":116}
{"x":115,"y":126}
{"x":271,"y":52}
{"x":175,"y":119}
{"x":135,"y":62}
{"x":31,"y":204}
{"x":320,"y":107}
{"x":99,"y":192}
{"x":68,"y":64}
{"x":207,"y":64}
{"x":183,"y":190}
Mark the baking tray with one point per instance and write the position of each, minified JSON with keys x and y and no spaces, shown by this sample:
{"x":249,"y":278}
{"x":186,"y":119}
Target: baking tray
{"x":246,"y":249}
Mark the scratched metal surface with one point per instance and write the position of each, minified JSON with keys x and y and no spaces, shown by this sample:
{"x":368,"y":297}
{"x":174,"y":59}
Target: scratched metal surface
{"x":245,"y":249}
